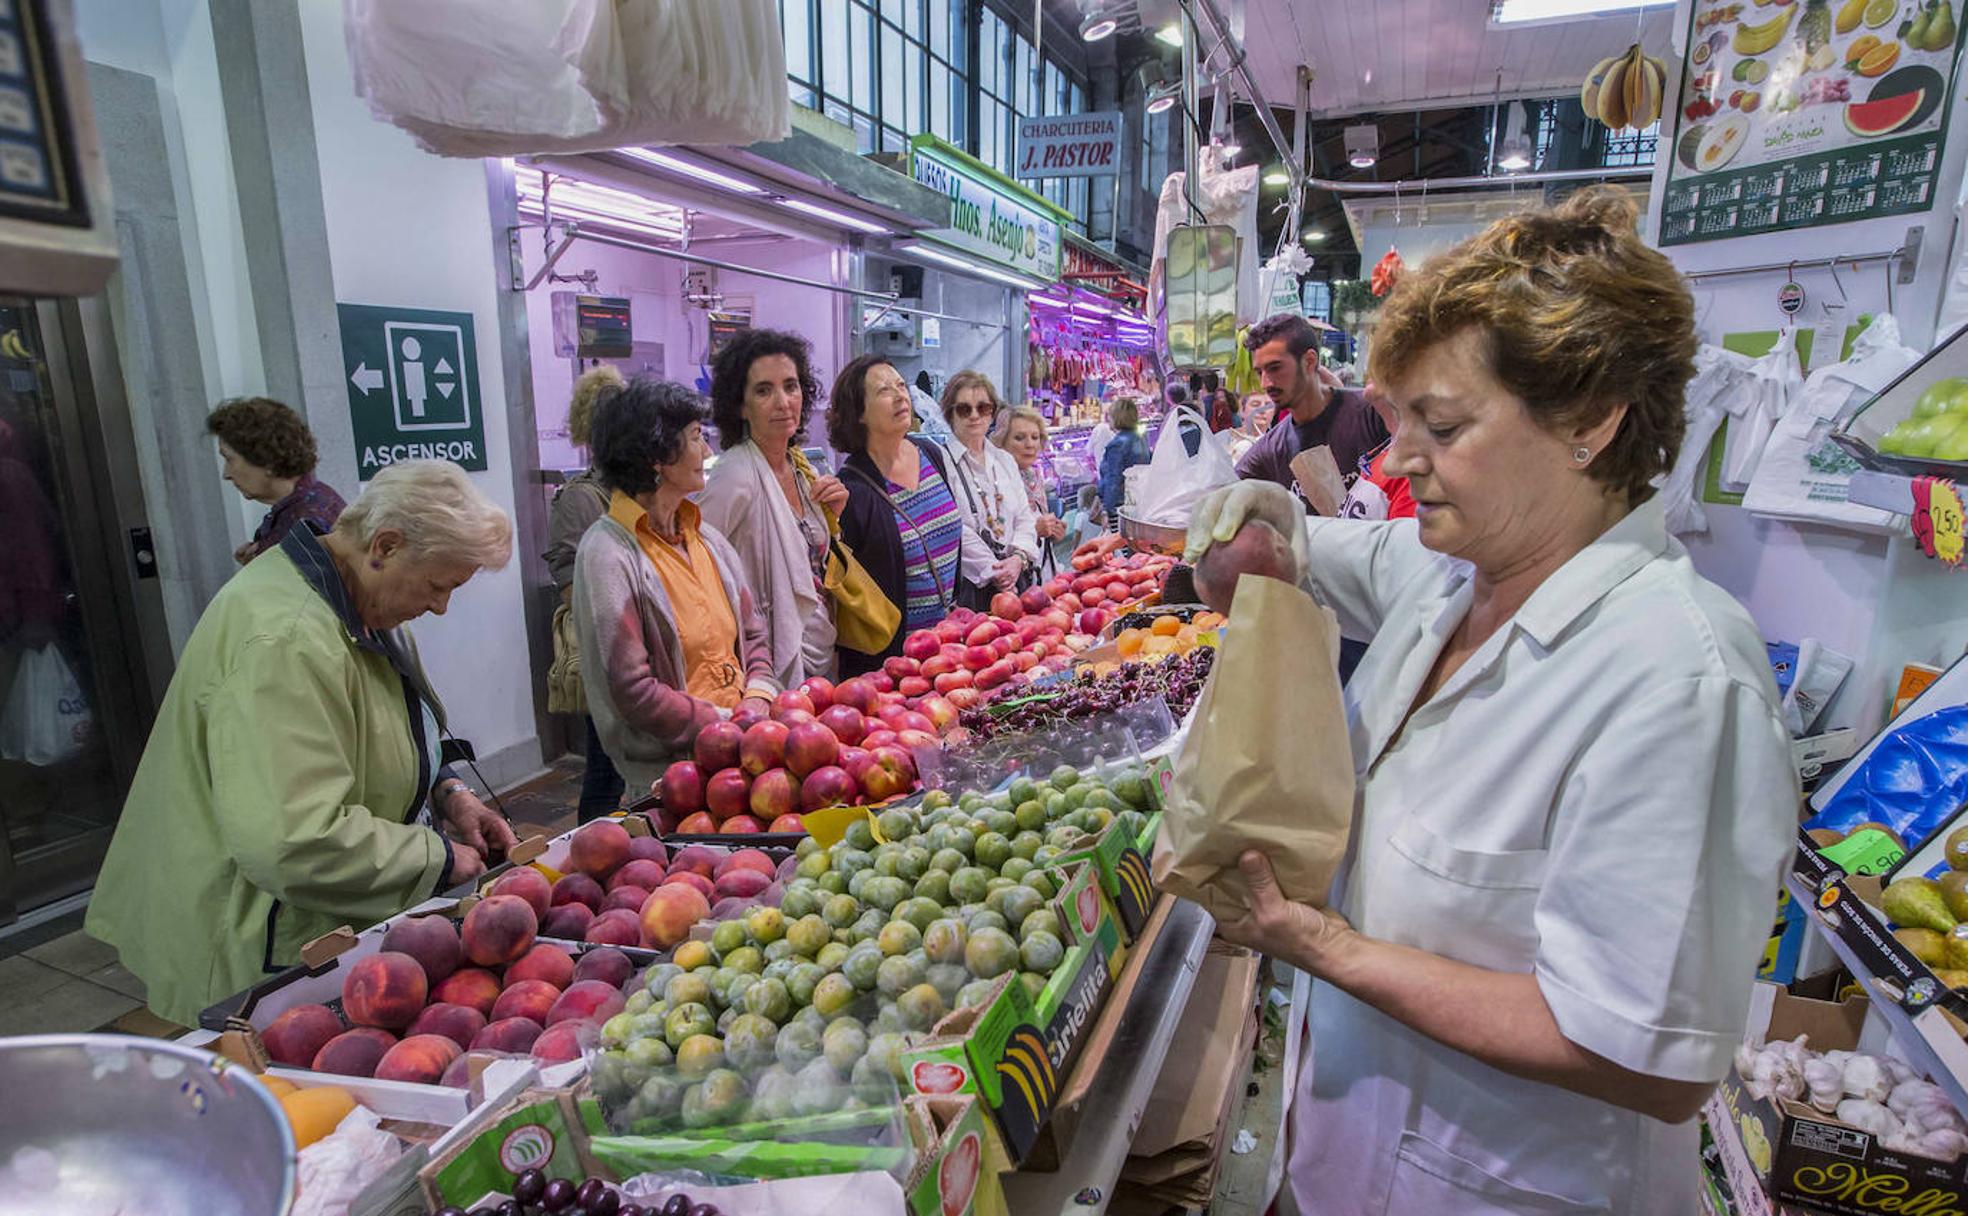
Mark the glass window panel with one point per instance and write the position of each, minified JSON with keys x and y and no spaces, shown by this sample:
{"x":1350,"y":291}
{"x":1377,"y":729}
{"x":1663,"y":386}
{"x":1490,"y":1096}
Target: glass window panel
{"x":954,"y":42}
{"x":795,"y":20}
{"x":939,"y":102}
{"x":1021,"y":90}
{"x":912,"y":17}
{"x":912,"y":87}
{"x":837,"y":111}
{"x":990,"y":126}
{"x":990,"y":53}
{"x":891,"y":10}
{"x":861,"y":51}
{"x":939,"y":27}
{"x":892,"y":71}
{"x":1054,"y":99}
{"x":894,"y":141}
{"x":960,"y":114}
{"x":802,"y":95}
{"x":864,"y":134}
{"x":833,"y":49}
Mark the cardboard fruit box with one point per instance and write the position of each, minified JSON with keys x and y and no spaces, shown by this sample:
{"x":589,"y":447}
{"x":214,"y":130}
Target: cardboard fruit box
{"x":1798,"y":1154}
{"x":954,"y":1175}
{"x":547,"y":1129}
{"x":1117,"y":860}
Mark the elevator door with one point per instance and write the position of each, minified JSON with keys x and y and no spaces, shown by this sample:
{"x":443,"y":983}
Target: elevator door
{"x":75,"y":704}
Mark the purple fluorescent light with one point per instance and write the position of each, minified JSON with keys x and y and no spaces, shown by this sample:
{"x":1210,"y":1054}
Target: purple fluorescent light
{"x":677,"y":164}
{"x":832,"y":216}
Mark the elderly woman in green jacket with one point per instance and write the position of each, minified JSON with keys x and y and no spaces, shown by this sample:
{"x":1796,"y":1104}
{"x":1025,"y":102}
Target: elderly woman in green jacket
{"x":292,"y":782}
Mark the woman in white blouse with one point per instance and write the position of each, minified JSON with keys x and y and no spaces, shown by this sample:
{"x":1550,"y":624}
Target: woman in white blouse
{"x":1000,"y":542}
{"x":1574,"y":788}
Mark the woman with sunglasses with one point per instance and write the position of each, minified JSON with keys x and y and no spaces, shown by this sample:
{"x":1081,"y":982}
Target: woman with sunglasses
{"x":1001,"y":545}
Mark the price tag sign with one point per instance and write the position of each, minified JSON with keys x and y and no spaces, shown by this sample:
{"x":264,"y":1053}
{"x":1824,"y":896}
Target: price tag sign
{"x":1937,"y":519}
{"x":1790,"y":298}
{"x":1869,"y":851}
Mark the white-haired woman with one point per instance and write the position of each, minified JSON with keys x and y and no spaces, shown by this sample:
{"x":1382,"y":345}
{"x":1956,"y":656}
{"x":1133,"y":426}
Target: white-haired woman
{"x":292,"y":782}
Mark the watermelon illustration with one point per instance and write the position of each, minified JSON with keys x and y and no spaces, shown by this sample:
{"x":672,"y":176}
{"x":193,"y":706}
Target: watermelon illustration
{"x":1882,"y":115}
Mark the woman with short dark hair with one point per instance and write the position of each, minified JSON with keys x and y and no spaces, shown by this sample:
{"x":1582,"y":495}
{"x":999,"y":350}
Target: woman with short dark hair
{"x":901,"y":518}
{"x":671,"y":639}
{"x":269,"y":458}
{"x":767,"y":498}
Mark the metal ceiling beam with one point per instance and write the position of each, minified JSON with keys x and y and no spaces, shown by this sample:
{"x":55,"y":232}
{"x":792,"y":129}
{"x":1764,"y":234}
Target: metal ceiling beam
{"x":1622,"y":173}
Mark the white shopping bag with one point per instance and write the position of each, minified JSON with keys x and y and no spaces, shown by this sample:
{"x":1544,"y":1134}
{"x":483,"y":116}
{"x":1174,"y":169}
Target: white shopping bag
{"x":1175,"y":480}
{"x":46,"y":718}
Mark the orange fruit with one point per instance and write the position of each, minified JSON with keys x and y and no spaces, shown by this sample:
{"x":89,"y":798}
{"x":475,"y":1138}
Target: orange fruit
{"x":1166,"y":626}
{"x":280,"y":1087}
{"x":315,"y":1112}
{"x":1160,"y":644}
{"x":1879,"y":59}
{"x":1129,"y":643}
{"x":1207,"y":620}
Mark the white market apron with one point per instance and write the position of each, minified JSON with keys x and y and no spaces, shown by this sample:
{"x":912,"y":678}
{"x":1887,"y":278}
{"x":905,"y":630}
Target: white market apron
{"x":1387,"y":1121}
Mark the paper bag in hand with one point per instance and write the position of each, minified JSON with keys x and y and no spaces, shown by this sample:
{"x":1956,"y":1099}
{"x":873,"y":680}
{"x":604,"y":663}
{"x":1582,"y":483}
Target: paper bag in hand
{"x":1266,"y":764}
{"x":1319,"y":482}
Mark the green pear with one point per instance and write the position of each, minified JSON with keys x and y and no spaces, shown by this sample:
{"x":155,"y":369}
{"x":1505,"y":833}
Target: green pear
{"x":1955,"y":945}
{"x":1917,"y":903}
{"x":1926,"y":945}
{"x":1956,"y":849}
{"x":1951,"y":977}
{"x":1952,"y":444}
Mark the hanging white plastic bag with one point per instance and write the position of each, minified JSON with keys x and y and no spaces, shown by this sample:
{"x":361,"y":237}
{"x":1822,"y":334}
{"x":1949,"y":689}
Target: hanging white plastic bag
{"x":1720,"y":376}
{"x":46,"y":719}
{"x":1175,"y":480}
{"x":1803,"y":475}
{"x":1776,"y":383}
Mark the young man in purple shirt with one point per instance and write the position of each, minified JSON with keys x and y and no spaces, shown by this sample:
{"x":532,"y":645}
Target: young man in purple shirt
{"x":1285,"y":351}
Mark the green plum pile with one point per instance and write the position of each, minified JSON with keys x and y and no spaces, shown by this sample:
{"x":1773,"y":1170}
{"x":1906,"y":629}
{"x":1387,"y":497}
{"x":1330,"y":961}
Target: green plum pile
{"x":806,"y":1008}
{"x":1938,"y":427}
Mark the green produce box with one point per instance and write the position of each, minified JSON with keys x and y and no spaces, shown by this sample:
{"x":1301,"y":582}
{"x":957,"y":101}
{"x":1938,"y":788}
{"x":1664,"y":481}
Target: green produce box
{"x":627,"y":1156}
{"x":541,"y":1129}
{"x":1116,"y":858}
{"x":956,"y":1172}
{"x":1013,"y":1051}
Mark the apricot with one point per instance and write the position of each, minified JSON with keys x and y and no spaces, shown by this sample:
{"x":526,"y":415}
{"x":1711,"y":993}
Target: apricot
{"x":607,"y":964}
{"x":617,"y":928}
{"x":543,"y":962}
{"x":599,"y":848}
{"x":511,"y":1035}
{"x":499,"y":929}
{"x":670,"y":911}
{"x":577,"y":889}
{"x":386,"y":989}
{"x":526,"y":999}
{"x":316,"y":1111}
{"x":298,"y":1035}
{"x":459,"y":1023}
{"x":354,"y":1053}
{"x":420,"y":1058}
{"x":472,"y":987}
{"x":586,"y":1001}
{"x":431,"y":940}
{"x":561,"y":1043}
{"x":567,"y":921}
{"x":528,"y":884}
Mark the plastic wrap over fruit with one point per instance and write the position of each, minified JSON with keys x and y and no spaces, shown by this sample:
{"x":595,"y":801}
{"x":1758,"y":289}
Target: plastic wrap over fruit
{"x":333,"y":1170}
{"x":1912,"y":782}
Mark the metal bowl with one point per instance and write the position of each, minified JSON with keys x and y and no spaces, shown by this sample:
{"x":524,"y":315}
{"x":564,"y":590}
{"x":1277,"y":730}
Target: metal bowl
{"x":1160,"y":538}
{"x":114,"y":1123}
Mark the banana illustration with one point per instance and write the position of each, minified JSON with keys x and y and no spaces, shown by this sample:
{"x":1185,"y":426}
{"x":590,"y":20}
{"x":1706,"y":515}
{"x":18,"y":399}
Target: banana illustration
{"x":1612,"y":94}
{"x":1756,"y":39}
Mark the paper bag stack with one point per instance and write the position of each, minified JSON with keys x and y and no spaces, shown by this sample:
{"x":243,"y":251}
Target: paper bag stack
{"x":1266,"y":764}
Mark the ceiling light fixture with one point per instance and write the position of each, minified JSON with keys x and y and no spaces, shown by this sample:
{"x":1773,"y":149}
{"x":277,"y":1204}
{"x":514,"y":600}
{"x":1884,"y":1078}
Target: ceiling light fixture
{"x":1161,"y":98}
{"x":832,"y":216}
{"x":1529,"y":12}
{"x":1170,"y":34}
{"x":958,"y":262}
{"x":1232,"y":149}
{"x":1362,"y":145}
{"x":1097,"y":26}
{"x":1514,"y":150}
{"x":676,"y":164}
{"x":1277,"y":177}
{"x":1313,"y":236}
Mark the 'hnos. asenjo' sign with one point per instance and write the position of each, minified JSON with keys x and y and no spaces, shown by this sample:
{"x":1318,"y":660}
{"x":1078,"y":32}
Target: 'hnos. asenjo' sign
{"x":987,"y":219}
{"x":1070,"y":145}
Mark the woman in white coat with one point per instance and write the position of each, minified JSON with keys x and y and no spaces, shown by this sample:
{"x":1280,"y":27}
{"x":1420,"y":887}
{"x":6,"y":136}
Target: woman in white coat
{"x":1575,"y":791}
{"x":766,"y":498}
{"x":1000,"y":541}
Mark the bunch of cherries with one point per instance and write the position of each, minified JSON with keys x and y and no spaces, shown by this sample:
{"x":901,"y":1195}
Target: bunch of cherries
{"x":535,"y":1195}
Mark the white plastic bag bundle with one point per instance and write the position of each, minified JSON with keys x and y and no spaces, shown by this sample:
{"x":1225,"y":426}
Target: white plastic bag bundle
{"x":1775,"y":382}
{"x":334,"y":1170}
{"x":46,"y":718}
{"x":489,"y":78}
{"x":1174,"y":480}
{"x":1803,"y":475}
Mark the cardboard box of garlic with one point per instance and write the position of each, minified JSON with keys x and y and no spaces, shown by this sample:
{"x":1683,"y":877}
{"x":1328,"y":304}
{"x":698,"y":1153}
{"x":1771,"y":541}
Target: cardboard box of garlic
{"x":1836,"y":1129}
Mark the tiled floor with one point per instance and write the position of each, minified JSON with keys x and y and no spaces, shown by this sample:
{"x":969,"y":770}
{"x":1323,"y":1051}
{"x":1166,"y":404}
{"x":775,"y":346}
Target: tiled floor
{"x":75,"y":983}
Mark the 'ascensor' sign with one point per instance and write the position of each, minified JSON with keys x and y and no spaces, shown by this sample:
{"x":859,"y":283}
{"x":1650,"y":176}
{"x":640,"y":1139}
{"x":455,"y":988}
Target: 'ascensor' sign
{"x":986,"y":218}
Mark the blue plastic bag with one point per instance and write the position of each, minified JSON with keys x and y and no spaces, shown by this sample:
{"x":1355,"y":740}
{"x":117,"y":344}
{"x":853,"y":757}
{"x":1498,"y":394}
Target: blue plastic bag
{"x":1913,"y":782}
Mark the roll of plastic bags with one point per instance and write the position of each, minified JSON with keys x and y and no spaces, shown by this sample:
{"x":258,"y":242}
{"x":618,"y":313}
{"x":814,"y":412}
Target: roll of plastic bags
{"x":1912,"y":782}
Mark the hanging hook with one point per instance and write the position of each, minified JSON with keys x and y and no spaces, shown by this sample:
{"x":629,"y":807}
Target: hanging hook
{"x":1838,"y":283}
{"x":1886,"y":268}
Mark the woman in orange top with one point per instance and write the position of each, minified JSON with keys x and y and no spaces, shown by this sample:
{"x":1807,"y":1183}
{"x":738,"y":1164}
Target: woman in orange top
{"x":671,"y":639}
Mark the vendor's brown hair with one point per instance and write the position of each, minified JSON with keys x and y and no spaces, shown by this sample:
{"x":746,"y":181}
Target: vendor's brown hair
{"x":1577,"y":317}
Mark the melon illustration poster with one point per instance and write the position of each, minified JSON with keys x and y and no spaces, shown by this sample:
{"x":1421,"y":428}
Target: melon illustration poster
{"x":1799,"y":113}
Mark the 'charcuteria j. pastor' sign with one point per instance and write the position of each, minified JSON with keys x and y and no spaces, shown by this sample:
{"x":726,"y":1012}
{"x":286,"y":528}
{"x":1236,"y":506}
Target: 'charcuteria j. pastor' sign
{"x":989,"y":216}
{"x":1070,"y":145}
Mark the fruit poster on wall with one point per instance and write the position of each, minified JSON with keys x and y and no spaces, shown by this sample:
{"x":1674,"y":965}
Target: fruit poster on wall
{"x":1798,"y":113}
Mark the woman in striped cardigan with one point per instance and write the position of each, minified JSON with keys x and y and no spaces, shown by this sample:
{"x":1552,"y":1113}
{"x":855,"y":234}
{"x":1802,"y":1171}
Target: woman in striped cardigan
{"x":901,"y":520}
